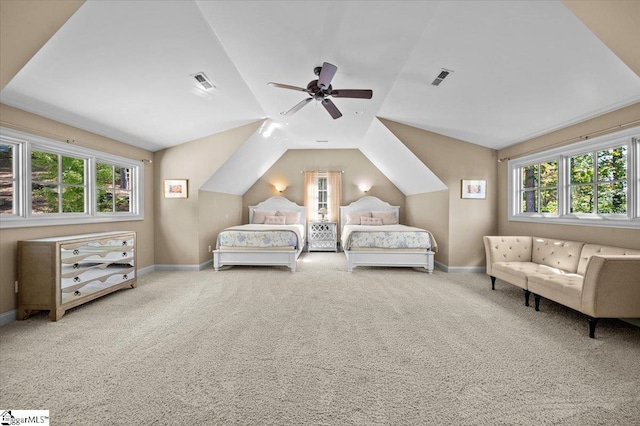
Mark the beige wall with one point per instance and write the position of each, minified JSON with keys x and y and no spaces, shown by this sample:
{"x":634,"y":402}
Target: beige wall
{"x":468,"y":220}
{"x":431,"y":211}
{"x":30,"y":123}
{"x":629,"y":238}
{"x":178,"y":220}
{"x":216,"y":212}
{"x":357,"y":169}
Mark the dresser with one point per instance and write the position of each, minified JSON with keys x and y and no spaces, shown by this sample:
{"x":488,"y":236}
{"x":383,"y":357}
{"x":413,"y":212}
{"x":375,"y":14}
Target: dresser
{"x":59,"y":273}
{"x":323,"y":236}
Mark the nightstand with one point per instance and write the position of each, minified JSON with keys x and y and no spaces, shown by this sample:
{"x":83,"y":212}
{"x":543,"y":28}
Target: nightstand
{"x":323,"y":236}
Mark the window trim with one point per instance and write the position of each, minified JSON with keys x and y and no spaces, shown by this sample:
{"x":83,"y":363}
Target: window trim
{"x":23,"y":217}
{"x":628,"y":137}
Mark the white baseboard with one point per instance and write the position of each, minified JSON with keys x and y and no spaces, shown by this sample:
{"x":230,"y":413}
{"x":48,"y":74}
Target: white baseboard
{"x":460,"y":269}
{"x":8,"y":317}
{"x":185,"y":268}
{"x":146,"y":270}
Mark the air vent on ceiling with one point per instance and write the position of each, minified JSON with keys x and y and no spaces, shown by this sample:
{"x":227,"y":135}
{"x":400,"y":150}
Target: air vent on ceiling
{"x":440,"y":78}
{"x":204,"y":81}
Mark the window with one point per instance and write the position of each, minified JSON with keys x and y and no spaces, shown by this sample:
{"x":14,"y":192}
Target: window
{"x":594,"y":182}
{"x":7,"y":178}
{"x":44,"y":182}
{"x":539,"y":191}
{"x":322,"y":189}
{"x":57,"y":183}
{"x":322,"y":192}
{"x":114,"y":188}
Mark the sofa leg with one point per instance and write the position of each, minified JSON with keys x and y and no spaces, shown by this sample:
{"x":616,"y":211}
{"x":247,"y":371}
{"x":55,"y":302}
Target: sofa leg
{"x":592,"y":327}
{"x":537,"y":301}
{"x":493,"y":283}
{"x":526,"y":297}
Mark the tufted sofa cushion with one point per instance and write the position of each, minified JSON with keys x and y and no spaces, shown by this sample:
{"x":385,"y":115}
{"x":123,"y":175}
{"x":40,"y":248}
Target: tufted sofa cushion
{"x":565,"y":288}
{"x":510,"y":249}
{"x":595,"y":249}
{"x":559,"y":254}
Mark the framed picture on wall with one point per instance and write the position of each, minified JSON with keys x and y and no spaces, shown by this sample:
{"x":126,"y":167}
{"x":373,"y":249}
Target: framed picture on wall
{"x":175,"y":188}
{"x":473,"y":188}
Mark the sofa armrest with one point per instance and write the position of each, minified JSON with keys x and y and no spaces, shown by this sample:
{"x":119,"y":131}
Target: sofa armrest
{"x":611,"y":287}
{"x":507,"y":249}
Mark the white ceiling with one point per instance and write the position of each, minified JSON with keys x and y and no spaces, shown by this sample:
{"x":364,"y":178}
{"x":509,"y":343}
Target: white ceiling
{"x":123,"y":70}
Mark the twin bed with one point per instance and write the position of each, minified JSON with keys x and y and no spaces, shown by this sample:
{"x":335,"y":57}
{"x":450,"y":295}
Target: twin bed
{"x":266,"y":240}
{"x":371,"y":236}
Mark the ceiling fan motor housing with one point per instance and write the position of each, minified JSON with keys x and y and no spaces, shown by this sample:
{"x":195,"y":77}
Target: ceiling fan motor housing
{"x":316,"y":92}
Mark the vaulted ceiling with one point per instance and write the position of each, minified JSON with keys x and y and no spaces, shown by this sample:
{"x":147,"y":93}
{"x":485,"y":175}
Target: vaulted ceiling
{"x":519,"y":69}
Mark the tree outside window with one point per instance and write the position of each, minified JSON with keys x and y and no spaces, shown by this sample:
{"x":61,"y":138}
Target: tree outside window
{"x":599,"y":182}
{"x":539,"y":191}
{"x":57,"y":183}
{"x":7,"y":179}
{"x":113,"y":188}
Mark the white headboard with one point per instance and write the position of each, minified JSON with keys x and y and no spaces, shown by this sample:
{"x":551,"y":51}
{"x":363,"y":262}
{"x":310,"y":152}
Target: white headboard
{"x":279,"y":203}
{"x":368,"y":204}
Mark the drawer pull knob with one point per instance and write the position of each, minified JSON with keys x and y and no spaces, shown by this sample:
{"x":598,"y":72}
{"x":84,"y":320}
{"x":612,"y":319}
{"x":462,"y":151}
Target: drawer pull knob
{"x":125,"y":277}
{"x":77,"y":293}
{"x":76,"y":265}
{"x":76,"y":279}
{"x":76,"y":251}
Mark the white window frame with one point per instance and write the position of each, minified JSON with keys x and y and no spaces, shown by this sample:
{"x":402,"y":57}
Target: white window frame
{"x":629,"y":137}
{"x":24,"y":143}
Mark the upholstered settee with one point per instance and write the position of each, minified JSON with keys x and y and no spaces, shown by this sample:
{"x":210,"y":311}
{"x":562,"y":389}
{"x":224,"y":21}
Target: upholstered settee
{"x":599,"y":281}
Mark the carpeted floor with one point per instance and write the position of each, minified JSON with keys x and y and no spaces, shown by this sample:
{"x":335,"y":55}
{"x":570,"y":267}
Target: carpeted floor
{"x":264,"y":346}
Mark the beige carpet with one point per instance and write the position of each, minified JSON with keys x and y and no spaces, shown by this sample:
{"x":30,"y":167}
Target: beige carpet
{"x":263,"y":346}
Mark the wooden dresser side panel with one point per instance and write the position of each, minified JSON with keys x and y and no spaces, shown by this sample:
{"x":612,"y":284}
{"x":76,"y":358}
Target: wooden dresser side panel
{"x":37,"y":275}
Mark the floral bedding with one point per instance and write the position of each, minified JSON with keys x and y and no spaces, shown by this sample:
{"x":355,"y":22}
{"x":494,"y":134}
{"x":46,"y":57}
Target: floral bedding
{"x":262,"y":236}
{"x":386,"y":237}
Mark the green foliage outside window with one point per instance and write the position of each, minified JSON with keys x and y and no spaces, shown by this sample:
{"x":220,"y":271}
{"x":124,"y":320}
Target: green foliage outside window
{"x":6,"y":179}
{"x":114,"y":188}
{"x":52,"y":175}
{"x":598,"y":182}
{"x":540,"y":188}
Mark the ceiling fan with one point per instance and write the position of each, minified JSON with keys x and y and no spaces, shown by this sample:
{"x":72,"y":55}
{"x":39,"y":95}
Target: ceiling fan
{"x":321,"y":89}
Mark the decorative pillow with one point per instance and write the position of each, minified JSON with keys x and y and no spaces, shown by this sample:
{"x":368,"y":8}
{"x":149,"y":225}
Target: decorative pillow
{"x":292,"y":217}
{"x":275,"y":220}
{"x":353,"y":218}
{"x":259,"y":216}
{"x":388,"y":217}
{"x":370,"y":221}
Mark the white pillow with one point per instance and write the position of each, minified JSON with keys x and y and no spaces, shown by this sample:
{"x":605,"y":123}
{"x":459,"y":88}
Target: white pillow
{"x":388,"y":217}
{"x":376,"y":221}
{"x":275,"y":220}
{"x":353,"y":218}
{"x":292,"y":217}
{"x":259,"y":216}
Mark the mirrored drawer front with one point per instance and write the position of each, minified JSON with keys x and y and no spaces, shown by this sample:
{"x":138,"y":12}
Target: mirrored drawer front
{"x":92,"y":279}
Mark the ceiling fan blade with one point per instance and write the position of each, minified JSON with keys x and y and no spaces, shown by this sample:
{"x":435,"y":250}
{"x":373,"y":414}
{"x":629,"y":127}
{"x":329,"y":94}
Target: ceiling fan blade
{"x":326,"y":75}
{"x":331,"y":108}
{"x":352,"y":93}
{"x":298,"y":106}
{"x":286,"y":86}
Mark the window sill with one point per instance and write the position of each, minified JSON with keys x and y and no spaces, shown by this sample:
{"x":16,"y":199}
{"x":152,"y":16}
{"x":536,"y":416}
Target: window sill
{"x":580,"y":221}
{"x":20,"y":222}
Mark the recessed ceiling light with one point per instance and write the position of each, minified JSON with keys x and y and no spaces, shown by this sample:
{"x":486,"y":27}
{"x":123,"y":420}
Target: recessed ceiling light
{"x":359,"y":112}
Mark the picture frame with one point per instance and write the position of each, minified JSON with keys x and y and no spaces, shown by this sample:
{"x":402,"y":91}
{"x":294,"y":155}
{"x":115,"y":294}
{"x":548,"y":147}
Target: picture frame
{"x":474,"y":189}
{"x":176,"y":188}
